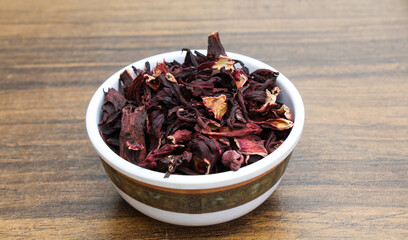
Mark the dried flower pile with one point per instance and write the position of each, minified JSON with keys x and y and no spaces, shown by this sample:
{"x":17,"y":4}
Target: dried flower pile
{"x":206,"y":115}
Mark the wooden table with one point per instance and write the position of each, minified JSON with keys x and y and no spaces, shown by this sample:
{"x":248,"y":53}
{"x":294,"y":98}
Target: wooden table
{"x":348,"y":177}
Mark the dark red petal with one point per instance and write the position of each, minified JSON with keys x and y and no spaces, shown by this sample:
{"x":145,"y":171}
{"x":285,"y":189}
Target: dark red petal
{"x":215,"y":48}
{"x":232,"y":159}
{"x":251,"y":146}
{"x":251,"y":128}
{"x":112,"y":106}
{"x":132,"y":139}
{"x":181,"y":136}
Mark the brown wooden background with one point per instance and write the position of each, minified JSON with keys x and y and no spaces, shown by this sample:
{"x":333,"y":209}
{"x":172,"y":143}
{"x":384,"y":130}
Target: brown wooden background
{"x":348,"y":177}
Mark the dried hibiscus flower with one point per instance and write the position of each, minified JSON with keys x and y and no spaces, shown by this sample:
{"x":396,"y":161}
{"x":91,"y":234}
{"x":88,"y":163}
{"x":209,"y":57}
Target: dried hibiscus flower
{"x":205,"y":115}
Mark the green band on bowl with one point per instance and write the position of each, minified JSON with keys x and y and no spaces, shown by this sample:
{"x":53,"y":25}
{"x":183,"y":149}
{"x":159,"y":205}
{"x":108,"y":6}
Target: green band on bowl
{"x":197,"y":201}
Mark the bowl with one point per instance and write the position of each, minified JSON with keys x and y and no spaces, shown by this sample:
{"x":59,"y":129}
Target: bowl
{"x":200,"y":199}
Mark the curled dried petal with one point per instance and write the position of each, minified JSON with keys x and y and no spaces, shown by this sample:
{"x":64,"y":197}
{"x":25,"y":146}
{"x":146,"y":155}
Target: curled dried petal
{"x":279,"y":123}
{"x":215,"y":48}
{"x":240,"y":78}
{"x":217,"y":105}
{"x":232,"y":159}
{"x":126,"y":77}
{"x":156,"y":155}
{"x":112,"y":106}
{"x":284,"y":111}
{"x":132,"y":137}
{"x":181,"y":136}
{"x":151,"y":82}
{"x":160,"y":68}
{"x":272,"y":146}
{"x":270,"y":99}
{"x":203,"y":155}
{"x":133,"y":91}
{"x":170,"y":77}
{"x":261,"y":75}
{"x":250,"y":128}
{"x":251,"y":146}
{"x":224,"y":61}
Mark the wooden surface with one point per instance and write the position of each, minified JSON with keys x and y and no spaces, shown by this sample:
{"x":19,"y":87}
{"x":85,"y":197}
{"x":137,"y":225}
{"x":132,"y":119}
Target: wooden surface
{"x":348,"y":177}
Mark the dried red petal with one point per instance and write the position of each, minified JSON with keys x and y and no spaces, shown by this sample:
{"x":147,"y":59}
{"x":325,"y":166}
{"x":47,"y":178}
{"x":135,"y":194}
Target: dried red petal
{"x":181,"y":136}
{"x":132,"y":139}
{"x":203,"y":155}
{"x":251,"y":145}
{"x":160,"y":68}
{"x":126,"y":77}
{"x":156,"y":155}
{"x":112,"y":106}
{"x":240,"y":78}
{"x":261,"y":75}
{"x":232,"y":159}
{"x":133,"y":91}
{"x":151,"y":82}
{"x":250,"y":128}
{"x":215,"y":48}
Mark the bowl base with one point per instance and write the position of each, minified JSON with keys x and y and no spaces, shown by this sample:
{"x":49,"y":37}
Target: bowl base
{"x":202,"y":219}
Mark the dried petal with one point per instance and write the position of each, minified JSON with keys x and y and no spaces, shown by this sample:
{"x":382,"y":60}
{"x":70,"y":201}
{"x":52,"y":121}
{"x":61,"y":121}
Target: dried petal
{"x":261,"y":75}
{"x":181,"y":136}
{"x":250,"y":128}
{"x":251,"y":146}
{"x":172,"y":162}
{"x":132,"y":139}
{"x":112,"y":106}
{"x":151,"y":82}
{"x":279,"y":123}
{"x":203,"y":155}
{"x":272,"y":146}
{"x":270,"y":99}
{"x":170,"y":77}
{"x":224,"y":61}
{"x":232,"y":159}
{"x":156,"y":155}
{"x":133,"y":91}
{"x":240,"y":78}
{"x":284,"y":111}
{"x":217,"y":105}
{"x":215,"y":48}
{"x":126,"y":77}
{"x":160,"y":68}
{"x":190,"y":59}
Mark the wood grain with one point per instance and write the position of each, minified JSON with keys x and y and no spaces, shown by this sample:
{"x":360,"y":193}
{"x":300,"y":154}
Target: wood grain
{"x":348,"y":177}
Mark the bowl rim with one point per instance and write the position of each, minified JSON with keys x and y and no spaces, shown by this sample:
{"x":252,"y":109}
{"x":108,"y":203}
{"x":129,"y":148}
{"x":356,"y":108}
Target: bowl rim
{"x":216,"y":180}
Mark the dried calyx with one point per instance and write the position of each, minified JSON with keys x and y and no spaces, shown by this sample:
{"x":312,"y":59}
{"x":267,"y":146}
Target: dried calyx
{"x":205,"y":115}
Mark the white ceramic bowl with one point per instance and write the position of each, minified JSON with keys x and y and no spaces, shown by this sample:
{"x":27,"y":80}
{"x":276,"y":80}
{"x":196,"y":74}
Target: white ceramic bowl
{"x":200,"y":199}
